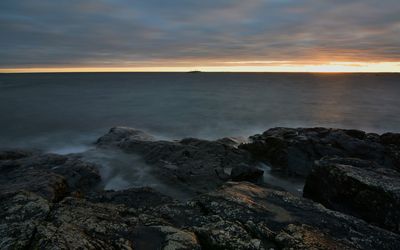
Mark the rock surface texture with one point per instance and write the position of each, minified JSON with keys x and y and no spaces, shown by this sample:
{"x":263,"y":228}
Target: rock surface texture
{"x":51,"y":201}
{"x":358,"y":187}
{"x":49,"y":175}
{"x":294,"y":150}
{"x":235,"y":216}
{"x":190,"y":164}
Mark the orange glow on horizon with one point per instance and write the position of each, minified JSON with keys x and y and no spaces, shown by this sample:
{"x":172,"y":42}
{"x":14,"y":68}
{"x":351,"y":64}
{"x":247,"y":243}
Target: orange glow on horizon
{"x":238,"y":66}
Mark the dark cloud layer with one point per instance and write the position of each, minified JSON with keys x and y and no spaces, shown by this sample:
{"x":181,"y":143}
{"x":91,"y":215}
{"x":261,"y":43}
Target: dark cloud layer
{"x":36,"y":33}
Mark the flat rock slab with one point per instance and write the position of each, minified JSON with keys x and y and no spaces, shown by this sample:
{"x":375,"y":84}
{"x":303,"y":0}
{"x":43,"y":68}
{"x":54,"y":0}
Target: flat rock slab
{"x":246,"y":216}
{"x":357,"y":187}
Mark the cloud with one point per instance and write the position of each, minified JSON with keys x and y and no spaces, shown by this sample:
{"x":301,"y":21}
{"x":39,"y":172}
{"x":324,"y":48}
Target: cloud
{"x":158,"y":32}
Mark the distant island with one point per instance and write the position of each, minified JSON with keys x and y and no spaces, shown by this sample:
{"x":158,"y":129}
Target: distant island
{"x":194,"y":72}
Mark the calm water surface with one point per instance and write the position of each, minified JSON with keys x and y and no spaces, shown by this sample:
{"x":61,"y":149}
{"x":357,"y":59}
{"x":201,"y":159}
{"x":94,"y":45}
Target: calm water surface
{"x":66,"y":112}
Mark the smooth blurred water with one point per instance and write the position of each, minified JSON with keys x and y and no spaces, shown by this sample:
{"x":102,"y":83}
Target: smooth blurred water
{"x":66,"y":112}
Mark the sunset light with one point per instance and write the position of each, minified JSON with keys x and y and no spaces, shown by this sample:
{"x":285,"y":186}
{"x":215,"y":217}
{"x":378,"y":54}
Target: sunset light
{"x":240,"y":66}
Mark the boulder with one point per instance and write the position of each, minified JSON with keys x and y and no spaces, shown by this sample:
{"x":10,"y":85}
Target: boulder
{"x":246,"y":173}
{"x":192,"y":165}
{"x":357,"y":187}
{"x":49,"y":175}
{"x":390,"y":139}
{"x":118,"y":134}
{"x":293,"y":151}
{"x":233,"y":141}
{"x":14,"y":154}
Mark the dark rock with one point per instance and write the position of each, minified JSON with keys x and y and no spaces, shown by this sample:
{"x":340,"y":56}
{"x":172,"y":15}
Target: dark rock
{"x":20,"y":214}
{"x":306,"y":237}
{"x":246,"y":216}
{"x":79,"y":175}
{"x":27,"y":221}
{"x":79,"y":224}
{"x":392,"y":148}
{"x":192,"y":165}
{"x":50,"y":201}
{"x":236,"y":216}
{"x":45,"y":183}
{"x":133,"y":198}
{"x":223,"y":234}
{"x":390,"y":138}
{"x":355,"y":133}
{"x":357,"y":187}
{"x":355,"y":162}
{"x":222,"y":174}
{"x":118,"y":134}
{"x":393,"y":156}
{"x":49,"y":175}
{"x":246,"y":173}
{"x":232,"y":141}
{"x":14,"y":154}
{"x":293,"y":151}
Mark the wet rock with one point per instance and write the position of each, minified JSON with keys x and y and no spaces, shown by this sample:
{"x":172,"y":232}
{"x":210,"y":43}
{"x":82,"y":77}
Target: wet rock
{"x":390,"y":138}
{"x":349,"y":161}
{"x":14,"y":154}
{"x":392,"y":143}
{"x":246,"y":216}
{"x":393,"y":156}
{"x":223,"y":174}
{"x":49,"y":175}
{"x":246,"y":173}
{"x":233,"y":141}
{"x":294,"y":151}
{"x":192,"y":165}
{"x":357,"y":187}
{"x":265,"y":214}
{"x":50,"y":186}
{"x":117,"y":135}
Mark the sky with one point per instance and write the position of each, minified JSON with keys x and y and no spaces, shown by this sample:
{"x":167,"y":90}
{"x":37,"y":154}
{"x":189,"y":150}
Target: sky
{"x":209,"y":35}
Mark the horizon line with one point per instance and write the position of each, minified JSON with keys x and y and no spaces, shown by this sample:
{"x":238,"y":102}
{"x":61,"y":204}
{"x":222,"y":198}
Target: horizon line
{"x":328,"y":67}
{"x":201,"y":71}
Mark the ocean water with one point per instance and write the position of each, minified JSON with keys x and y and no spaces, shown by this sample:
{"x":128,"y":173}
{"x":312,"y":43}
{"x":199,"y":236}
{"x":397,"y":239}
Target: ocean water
{"x":66,"y":113}
{"x":61,"y":112}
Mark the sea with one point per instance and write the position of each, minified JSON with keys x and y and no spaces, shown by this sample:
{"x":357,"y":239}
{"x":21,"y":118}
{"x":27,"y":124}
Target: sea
{"x":66,"y":112}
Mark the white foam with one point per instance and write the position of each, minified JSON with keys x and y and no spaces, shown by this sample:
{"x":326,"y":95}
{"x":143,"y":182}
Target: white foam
{"x":116,"y":183}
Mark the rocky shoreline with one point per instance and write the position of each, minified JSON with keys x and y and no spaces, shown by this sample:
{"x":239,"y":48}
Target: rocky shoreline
{"x":351,"y":194}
